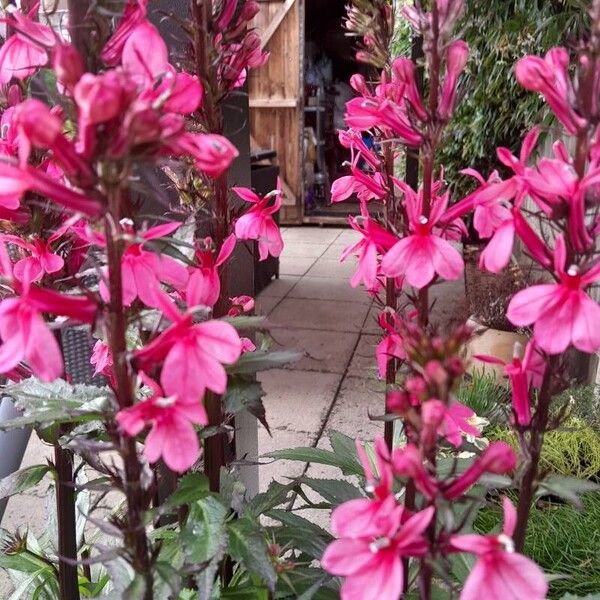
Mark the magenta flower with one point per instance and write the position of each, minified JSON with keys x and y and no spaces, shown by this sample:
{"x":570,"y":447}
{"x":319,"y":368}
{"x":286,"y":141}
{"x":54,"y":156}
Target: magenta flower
{"x":522,"y":372}
{"x":133,"y":15}
{"x":24,"y":332}
{"x":561,"y":313}
{"x":392,"y":345}
{"x":145,"y":55}
{"x":41,"y":260}
{"x":498,"y":458}
{"x":144,"y":271}
{"x":366,"y":186}
{"x":24,"y":52}
{"x":193,"y":353}
{"x":204,"y":285}
{"x":500,"y":573}
{"x":457,"y":422}
{"x":407,"y":461}
{"x":423,"y":254}
{"x":375,"y":241}
{"x":458,"y":54}
{"x":258,"y":223}
{"x":212,"y":154}
{"x":370,"y":559}
{"x":172,"y":435}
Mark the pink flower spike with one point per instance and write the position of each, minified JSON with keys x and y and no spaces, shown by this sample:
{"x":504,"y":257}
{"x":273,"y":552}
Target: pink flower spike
{"x":500,"y":573}
{"x":172,"y":435}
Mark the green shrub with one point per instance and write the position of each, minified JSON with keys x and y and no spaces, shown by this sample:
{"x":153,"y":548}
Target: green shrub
{"x":562,"y":541}
{"x":485,"y":396}
{"x":573,"y":451}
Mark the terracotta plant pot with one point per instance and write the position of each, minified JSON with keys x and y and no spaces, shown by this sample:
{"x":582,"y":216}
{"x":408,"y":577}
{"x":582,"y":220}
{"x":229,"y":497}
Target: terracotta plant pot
{"x":492,"y":342}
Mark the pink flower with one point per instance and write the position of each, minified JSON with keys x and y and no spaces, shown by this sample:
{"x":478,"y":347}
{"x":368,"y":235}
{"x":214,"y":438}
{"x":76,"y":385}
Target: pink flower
{"x":102,"y":359}
{"x":68,"y":65}
{"x":391,"y":346}
{"x":370,"y":559}
{"x":549,"y":76}
{"x":172,"y":435}
{"x":408,"y":462}
{"x":212,"y":154}
{"x":204,"y":285}
{"x":375,"y":241}
{"x":500,"y":573}
{"x":24,"y":332}
{"x":456,"y":423}
{"x":133,"y":15}
{"x":15,"y":181}
{"x":41,"y":260}
{"x":27,"y":49}
{"x":561,"y":313}
{"x":458,"y":54}
{"x":367,"y":186}
{"x":522,"y":372}
{"x":145,"y":55}
{"x":258,"y":223}
{"x":498,"y":458}
{"x":143,"y":271}
{"x":422,"y":254}
{"x":193,"y":353}
{"x":241,"y":305}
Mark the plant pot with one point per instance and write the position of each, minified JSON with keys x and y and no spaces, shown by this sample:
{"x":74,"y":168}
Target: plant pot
{"x":492,"y":342}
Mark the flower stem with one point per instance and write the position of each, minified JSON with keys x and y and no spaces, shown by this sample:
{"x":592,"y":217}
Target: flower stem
{"x":536,"y":442}
{"x":136,"y":541}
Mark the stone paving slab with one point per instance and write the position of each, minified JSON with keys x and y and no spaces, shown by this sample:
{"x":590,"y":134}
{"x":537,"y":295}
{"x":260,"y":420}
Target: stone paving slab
{"x":310,"y":235}
{"x":279,"y":288}
{"x":333,"y":269}
{"x":312,"y":288}
{"x":323,"y":315}
{"x":363,"y":363}
{"x":291,"y":265}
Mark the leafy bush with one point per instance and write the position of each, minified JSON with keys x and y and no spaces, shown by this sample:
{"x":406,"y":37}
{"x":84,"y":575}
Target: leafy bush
{"x":496,"y":111}
{"x":573,"y":451}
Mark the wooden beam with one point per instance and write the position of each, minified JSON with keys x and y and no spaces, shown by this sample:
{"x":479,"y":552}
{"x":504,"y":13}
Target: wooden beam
{"x":276,"y":22}
{"x":273,"y":102}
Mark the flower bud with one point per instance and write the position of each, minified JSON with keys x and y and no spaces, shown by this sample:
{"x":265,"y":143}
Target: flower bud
{"x":67,"y":64}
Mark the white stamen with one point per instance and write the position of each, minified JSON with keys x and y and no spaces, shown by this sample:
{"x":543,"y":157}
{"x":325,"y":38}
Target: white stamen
{"x":423,"y":220}
{"x":509,"y":545}
{"x":573,"y":270}
{"x":126,"y":222}
{"x":379,"y":544}
{"x":165,"y":402}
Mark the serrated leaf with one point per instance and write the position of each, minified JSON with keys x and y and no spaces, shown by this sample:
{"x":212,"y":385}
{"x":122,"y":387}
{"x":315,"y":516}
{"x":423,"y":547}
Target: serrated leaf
{"x":345,"y":447}
{"x":334,"y":491}
{"x":567,"y":488}
{"x":204,"y":530}
{"x":22,"y":480}
{"x":276,"y":495}
{"x":247,"y":545}
{"x":253,"y":362}
{"x":588,"y":597}
{"x":246,"y":395}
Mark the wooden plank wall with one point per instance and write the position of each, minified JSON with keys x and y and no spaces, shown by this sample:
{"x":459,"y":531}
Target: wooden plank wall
{"x":276,"y":98}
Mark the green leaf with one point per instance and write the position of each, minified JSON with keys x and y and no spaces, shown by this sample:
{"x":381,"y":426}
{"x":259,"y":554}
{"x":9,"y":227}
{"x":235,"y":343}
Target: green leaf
{"x":247,"y":545}
{"x":319,"y":456}
{"x":300,"y":533}
{"x":19,"y":481}
{"x":136,"y":589}
{"x":588,"y":597}
{"x":252,"y":362}
{"x":567,"y":488}
{"x":192,"y":487}
{"x":345,"y":448}
{"x":54,"y":403}
{"x":204,"y":530}
{"x":334,"y":491}
{"x":246,"y":395}
{"x":276,"y":494}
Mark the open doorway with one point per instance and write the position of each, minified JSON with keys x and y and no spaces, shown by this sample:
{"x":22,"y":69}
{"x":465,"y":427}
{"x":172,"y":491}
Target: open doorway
{"x":328,"y":65}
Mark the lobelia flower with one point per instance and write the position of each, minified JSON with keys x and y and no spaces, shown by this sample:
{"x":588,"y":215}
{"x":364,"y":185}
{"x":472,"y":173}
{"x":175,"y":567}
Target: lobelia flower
{"x":172,"y":435}
{"x":422,"y":254}
{"x":24,"y":52}
{"x":67,"y":64}
{"x":212,"y":153}
{"x":522,"y":372}
{"x":133,"y":15}
{"x":391,"y":346}
{"x":376,"y":240}
{"x":366,"y":186}
{"x":561,"y":313}
{"x":498,"y":458}
{"x":241,"y":305}
{"x":143,"y":271}
{"x":145,"y":55}
{"x":549,"y":76}
{"x":500,"y":573}
{"x":408,"y":462}
{"x":24,"y":332}
{"x":457,"y":422}
{"x":102,"y":359}
{"x":204,"y":285}
{"x":458,"y":54}
{"x":41,"y":260}
{"x":193,"y":353}
{"x":258,"y":223}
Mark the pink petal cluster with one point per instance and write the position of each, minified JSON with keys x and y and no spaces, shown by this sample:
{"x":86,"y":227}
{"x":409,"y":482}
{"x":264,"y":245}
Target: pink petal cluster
{"x":500,"y":573}
{"x":258,"y":224}
{"x":172,"y":435}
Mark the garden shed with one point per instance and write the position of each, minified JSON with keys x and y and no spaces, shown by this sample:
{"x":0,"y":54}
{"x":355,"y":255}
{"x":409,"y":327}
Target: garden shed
{"x":297,"y":102}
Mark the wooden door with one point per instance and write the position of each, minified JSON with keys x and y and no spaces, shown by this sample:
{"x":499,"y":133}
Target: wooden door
{"x":277,"y":96}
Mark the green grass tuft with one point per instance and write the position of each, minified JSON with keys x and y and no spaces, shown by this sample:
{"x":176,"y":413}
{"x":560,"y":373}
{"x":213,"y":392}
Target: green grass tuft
{"x":562,"y":541}
{"x":482,"y":393}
